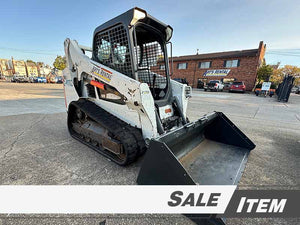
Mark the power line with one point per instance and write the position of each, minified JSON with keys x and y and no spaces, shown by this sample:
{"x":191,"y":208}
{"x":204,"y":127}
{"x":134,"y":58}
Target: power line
{"x":283,"y":54}
{"x":296,"y":53}
{"x":36,"y":50}
{"x":40,"y":52}
{"x":282,"y":49}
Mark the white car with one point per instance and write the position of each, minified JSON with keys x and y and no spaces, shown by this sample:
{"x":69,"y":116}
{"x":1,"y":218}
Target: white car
{"x":296,"y":90}
{"x":214,"y":85}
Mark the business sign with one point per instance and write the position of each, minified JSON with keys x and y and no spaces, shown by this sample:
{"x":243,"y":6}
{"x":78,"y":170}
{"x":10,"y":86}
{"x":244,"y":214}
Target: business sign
{"x":216,"y":73}
{"x":266,"y":86}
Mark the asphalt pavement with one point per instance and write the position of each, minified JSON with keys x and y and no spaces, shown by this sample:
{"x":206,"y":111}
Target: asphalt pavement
{"x":35,"y":148}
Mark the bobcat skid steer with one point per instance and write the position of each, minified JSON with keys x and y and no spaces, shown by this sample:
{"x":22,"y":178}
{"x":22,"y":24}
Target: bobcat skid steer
{"x":122,"y":103}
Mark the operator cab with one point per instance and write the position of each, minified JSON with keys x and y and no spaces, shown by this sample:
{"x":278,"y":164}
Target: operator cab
{"x":134,"y":44}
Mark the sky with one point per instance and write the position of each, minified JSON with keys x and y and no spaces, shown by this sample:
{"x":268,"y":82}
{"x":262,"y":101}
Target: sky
{"x":36,"y":29}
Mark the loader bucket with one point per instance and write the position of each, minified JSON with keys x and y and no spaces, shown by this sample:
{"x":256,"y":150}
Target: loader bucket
{"x":209,"y":151}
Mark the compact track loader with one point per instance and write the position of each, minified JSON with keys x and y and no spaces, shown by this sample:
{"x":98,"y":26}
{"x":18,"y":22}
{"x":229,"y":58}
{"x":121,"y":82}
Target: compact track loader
{"x":122,"y":103}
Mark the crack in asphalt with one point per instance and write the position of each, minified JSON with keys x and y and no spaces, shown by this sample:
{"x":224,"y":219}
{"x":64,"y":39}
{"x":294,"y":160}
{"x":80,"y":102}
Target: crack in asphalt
{"x":256,"y":113}
{"x":12,"y":145}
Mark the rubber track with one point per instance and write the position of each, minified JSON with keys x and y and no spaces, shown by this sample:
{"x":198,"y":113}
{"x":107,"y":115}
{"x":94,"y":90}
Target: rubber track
{"x":131,"y":137}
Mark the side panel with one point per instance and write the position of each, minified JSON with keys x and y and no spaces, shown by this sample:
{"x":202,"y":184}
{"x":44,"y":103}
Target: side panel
{"x":139,"y":109}
{"x":83,"y":64}
{"x":147,"y":113}
{"x":121,"y":111}
{"x":178,"y":91}
{"x":69,"y":89}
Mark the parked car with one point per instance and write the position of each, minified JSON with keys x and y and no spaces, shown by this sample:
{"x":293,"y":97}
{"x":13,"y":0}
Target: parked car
{"x":227,"y":86}
{"x":181,"y":80}
{"x":2,"y":77}
{"x":59,"y":80}
{"x":200,"y":84}
{"x":31,"y":79}
{"x":237,"y":86}
{"x":40,"y":80}
{"x":19,"y":79}
{"x":214,"y":85}
{"x":296,"y":90}
{"x":52,"y":79}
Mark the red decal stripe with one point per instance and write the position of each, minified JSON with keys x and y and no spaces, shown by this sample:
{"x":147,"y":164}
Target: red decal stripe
{"x":98,"y":84}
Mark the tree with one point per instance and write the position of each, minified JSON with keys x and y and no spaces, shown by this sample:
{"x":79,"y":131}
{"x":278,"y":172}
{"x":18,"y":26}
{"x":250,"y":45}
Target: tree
{"x":278,"y":74}
{"x":60,"y":62}
{"x":264,"y":73}
{"x":29,"y":61}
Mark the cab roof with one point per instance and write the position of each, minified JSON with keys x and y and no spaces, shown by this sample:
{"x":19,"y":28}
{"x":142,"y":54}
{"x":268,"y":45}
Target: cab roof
{"x":128,"y":16}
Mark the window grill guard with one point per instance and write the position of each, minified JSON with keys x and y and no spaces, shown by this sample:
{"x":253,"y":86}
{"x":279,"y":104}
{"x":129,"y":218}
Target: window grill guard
{"x":151,"y":67}
{"x":112,"y":49}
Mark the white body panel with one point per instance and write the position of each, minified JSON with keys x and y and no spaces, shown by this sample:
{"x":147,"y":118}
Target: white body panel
{"x":179,"y":92}
{"x":139,"y":110}
{"x":69,"y":89}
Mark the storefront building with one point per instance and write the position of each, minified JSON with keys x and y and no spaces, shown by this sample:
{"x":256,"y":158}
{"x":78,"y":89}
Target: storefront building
{"x":226,"y":66}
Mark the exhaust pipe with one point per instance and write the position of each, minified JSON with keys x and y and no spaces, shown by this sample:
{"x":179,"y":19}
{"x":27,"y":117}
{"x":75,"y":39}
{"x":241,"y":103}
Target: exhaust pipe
{"x":209,"y":151}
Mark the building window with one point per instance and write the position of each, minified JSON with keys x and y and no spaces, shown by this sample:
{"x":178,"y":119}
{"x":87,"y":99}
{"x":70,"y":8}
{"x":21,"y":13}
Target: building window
{"x":162,"y":67}
{"x":204,"y":65}
{"x":182,"y":66}
{"x":231,"y":63}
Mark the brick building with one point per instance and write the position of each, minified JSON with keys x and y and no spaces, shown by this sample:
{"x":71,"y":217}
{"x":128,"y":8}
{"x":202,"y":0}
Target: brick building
{"x":233,"y":65}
